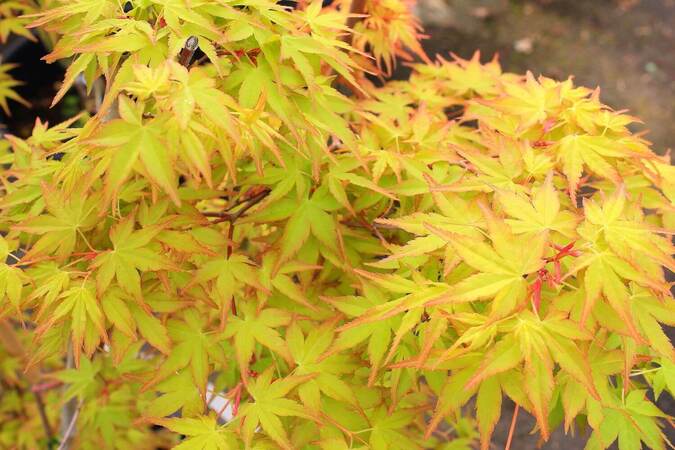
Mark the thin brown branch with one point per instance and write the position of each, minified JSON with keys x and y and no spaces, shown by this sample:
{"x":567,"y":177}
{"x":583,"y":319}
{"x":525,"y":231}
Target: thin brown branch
{"x":232,"y":217}
{"x":217,"y":215}
{"x":43,"y":416}
{"x":10,"y":341}
{"x":200,"y":61}
{"x":248,"y":203}
{"x":512,"y":429}
{"x":238,"y":202}
{"x":251,"y":203}
{"x":70,"y":430}
{"x":356,"y":10}
{"x":69,"y":411}
{"x":230,"y":239}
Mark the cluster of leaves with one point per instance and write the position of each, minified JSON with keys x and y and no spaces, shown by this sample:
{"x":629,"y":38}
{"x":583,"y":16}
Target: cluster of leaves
{"x":13,"y":20}
{"x":7,"y":86}
{"x":389,"y":32}
{"x":338,"y":271}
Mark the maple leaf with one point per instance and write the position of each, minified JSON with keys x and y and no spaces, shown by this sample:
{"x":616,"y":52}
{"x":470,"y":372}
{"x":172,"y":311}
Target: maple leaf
{"x":68,"y":218}
{"x":490,"y":172}
{"x":664,"y":378}
{"x":117,"y":312}
{"x":129,"y":256}
{"x":283,"y":282}
{"x":372,"y":322}
{"x":90,"y":10}
{"x":151,"y":328}
{"x":648,"y":311}
{"x":577,"y":152}
{"x":11,"y":279}
{"x":52,"y":281}
{"x":193,"y":347}
{"x":307,"y":352}
{"x":505,"y":355}
{"x":269,"y":402}
{"x":79,"y":304}
{"x":194,"y":89}
{"x":251,"y":327}
{"x":7,"y":83}
{"x":128,"y":317}
{"x":488,"y":409}
{"x":539,"y":214}
{"x":129,"y":140}
{"x":626,"y":236}
{"x":500,"y":275}
{"x":202,"y":433}
{"x":453,"y":395}
{"x":230,"y":274}
{"x":178,"y":392}
{"x":533,"y":101}
{"x":470,"y":76}
{"x":148,"y":80}
{"x":81,"y":380}
{"x":631,"y":423}
{"x":50,"y":137}
{"x":311,"y":217}
{"x":283,"y":180}
{"x":13,"y":23}
{"x":388,"y":430}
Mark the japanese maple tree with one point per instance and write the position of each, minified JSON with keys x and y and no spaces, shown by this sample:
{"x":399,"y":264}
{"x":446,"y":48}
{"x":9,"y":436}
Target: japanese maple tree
{"x":257,"y":242}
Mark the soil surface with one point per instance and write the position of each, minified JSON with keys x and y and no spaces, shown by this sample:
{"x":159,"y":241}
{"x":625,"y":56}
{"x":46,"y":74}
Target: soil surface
{"x":627,"y":47}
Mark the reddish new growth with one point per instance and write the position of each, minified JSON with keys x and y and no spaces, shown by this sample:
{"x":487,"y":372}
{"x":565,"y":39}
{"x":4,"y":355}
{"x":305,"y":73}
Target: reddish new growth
{"x":542,"y":144}
{"x":87,"y":255}
{"x":235,"y":395}
{"x":551,"y":279}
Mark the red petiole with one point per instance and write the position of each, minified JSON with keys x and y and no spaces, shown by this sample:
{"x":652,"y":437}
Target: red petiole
{"x":552,"y":280}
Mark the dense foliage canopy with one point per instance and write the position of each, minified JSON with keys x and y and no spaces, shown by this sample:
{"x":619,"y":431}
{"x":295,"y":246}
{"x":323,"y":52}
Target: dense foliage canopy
{"x":348,"y":262}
